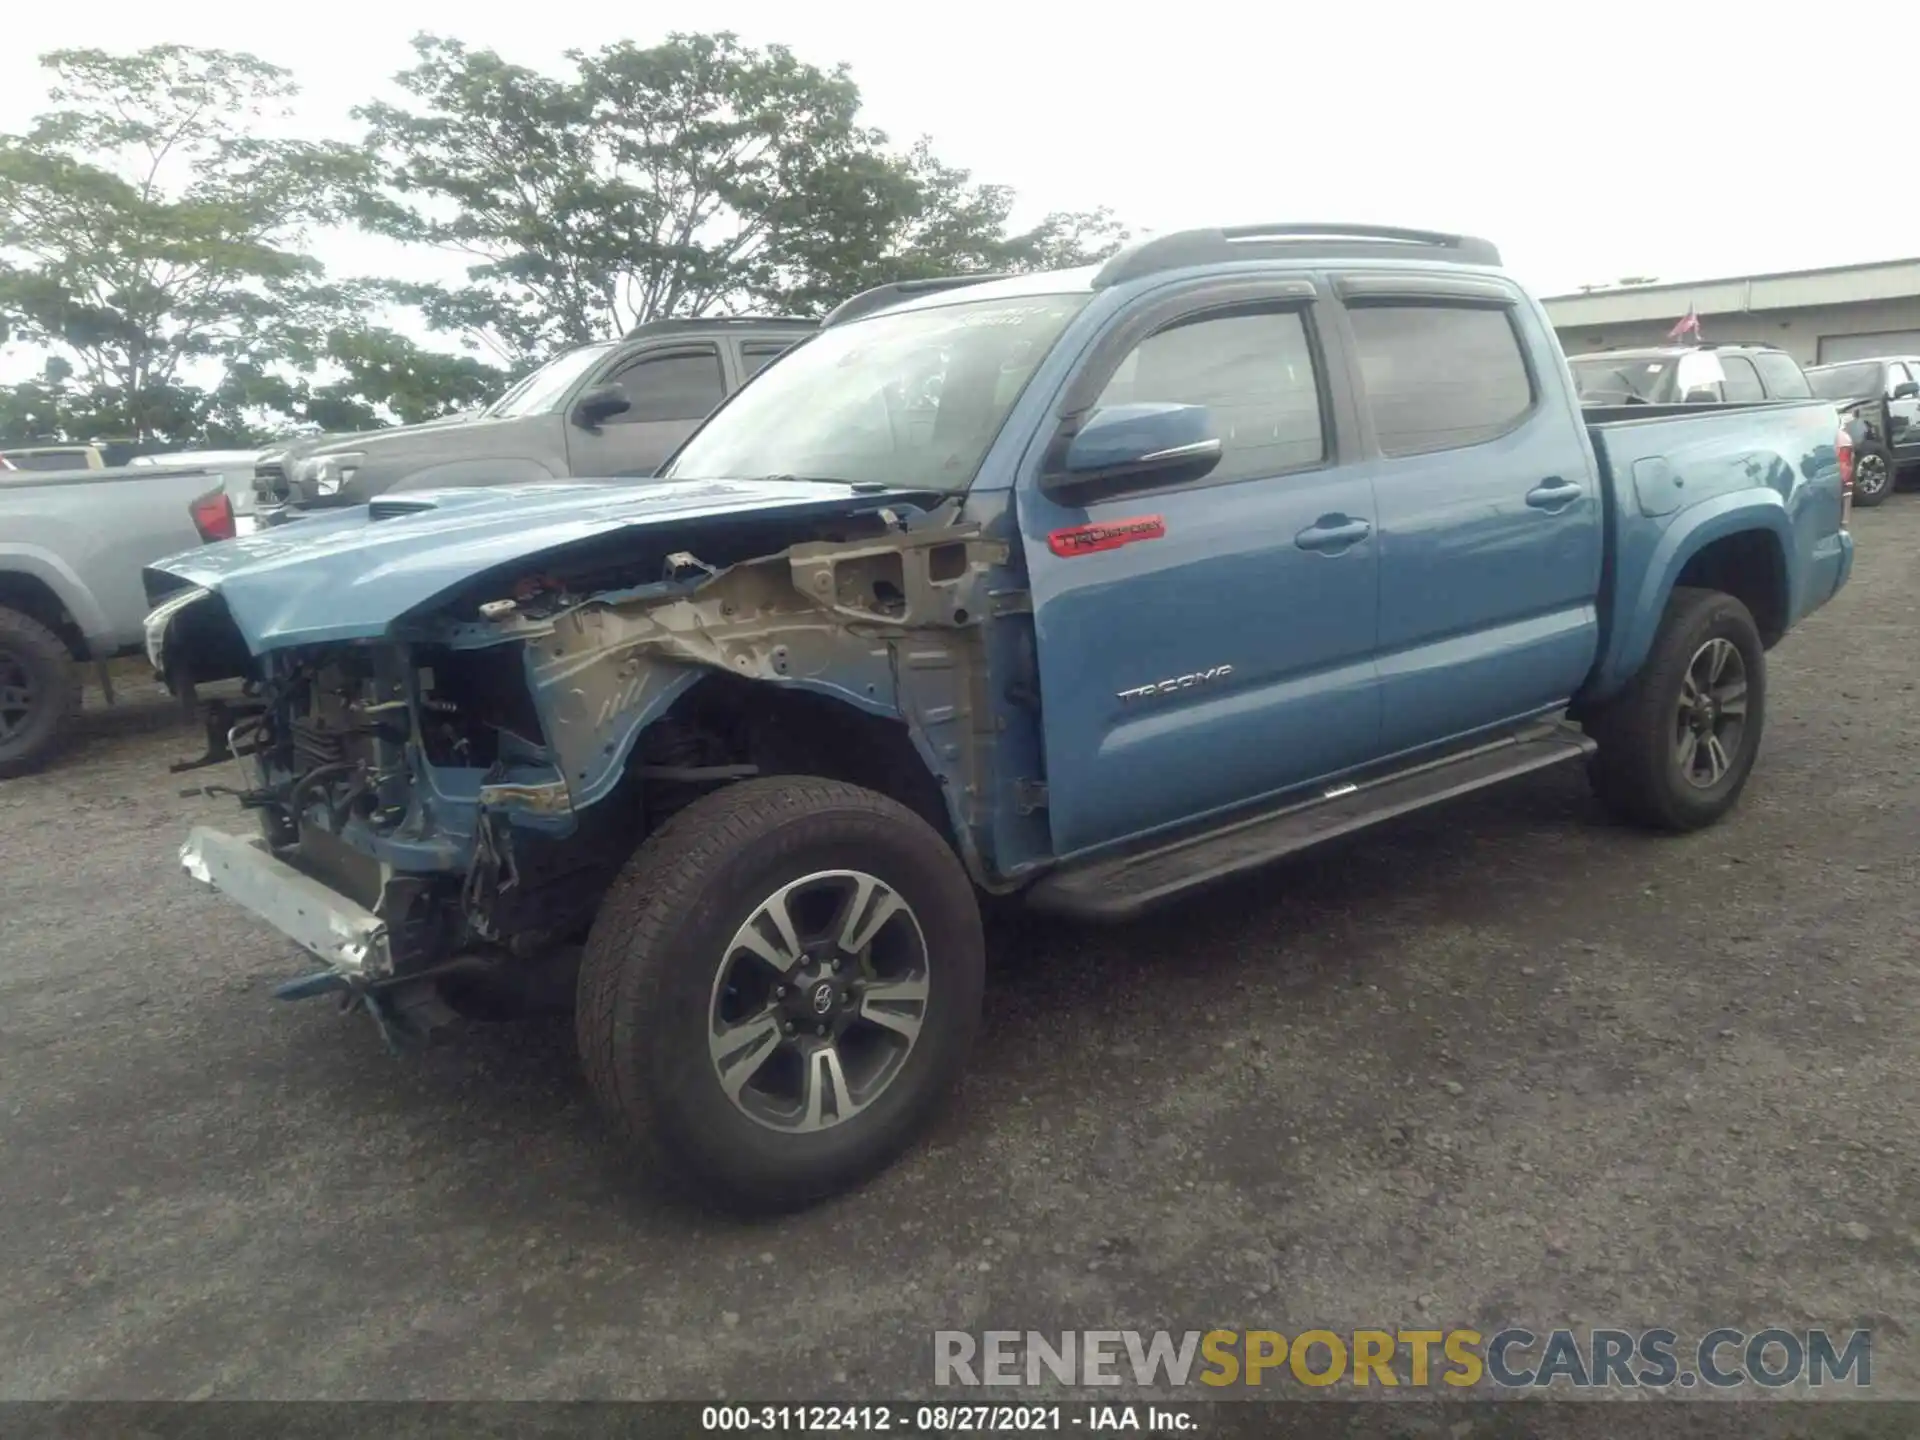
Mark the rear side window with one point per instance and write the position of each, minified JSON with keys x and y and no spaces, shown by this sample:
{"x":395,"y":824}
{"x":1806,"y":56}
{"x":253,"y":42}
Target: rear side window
{"x":1252,"y":369}
{"x":1440,"y":376}
{"x":1743,"y":381}
{"x":760,"y":355}
{"x":1784,"y":379}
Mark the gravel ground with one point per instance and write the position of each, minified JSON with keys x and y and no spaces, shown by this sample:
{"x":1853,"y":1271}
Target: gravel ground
{"x":1502,"y":1064}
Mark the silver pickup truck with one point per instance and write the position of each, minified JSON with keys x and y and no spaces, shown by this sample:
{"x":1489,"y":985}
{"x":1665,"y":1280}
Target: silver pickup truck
{"x":72,"y":545}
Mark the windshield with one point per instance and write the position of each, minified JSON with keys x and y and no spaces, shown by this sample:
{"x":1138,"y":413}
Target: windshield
{"x":547,"y":386}
{"x":1617,"y":380}
{"x":910,"y":399}
{"x":1845,"y":382}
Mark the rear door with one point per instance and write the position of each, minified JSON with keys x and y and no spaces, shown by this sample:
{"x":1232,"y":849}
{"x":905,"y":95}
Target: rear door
{"x":670,"y":389}
{"x":1220,"y":648}
{"x":1489,"y":518}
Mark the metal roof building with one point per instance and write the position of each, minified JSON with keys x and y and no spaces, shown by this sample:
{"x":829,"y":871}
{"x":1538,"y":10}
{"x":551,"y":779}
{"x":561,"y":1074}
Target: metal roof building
{"x":1843,"y":312}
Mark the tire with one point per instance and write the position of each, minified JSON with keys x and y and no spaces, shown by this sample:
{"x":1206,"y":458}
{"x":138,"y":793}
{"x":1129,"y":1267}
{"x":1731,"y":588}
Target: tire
{"x":1872,"y":476}
{"x":37,"y":670}
{"x":1639,"y":771}
{"x":664,"y":970}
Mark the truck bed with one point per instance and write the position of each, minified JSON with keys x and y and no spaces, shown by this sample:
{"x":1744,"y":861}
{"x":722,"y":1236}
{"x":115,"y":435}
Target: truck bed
{"x":1672,"y":472}
{"x":86,"y":534}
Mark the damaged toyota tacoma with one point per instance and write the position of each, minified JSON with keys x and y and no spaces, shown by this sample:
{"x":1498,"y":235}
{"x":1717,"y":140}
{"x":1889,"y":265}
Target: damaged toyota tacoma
{"x":1091,"y":587}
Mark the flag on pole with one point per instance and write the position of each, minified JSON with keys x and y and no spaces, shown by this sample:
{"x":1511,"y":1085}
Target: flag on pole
{"x":1690,"y":326}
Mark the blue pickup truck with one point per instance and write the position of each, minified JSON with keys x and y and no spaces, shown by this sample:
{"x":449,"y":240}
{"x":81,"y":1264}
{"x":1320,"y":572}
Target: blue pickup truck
{"x":1090,"y":587}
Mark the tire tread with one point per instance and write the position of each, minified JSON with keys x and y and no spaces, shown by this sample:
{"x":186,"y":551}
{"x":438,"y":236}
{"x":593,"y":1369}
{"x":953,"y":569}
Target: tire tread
{"x":668,"y":873}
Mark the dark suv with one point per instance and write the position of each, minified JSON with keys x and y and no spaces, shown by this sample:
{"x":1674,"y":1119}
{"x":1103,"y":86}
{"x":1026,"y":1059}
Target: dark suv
{"x":612,"y":410}
{"x":1880,"y":400}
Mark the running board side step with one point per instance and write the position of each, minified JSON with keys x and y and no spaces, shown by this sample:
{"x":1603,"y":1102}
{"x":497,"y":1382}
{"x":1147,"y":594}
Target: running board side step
{"x":1119,"y":888}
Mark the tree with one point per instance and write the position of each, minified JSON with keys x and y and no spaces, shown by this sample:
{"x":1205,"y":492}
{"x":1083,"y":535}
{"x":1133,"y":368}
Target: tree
{"x":695,"y":176}
{"x":384,"y":378}
{"x":888,"y":218}
{"x":150,"y":231}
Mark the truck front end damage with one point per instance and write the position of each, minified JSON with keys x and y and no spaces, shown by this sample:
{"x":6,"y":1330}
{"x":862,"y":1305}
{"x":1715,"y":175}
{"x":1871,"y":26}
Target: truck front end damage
{"x":441,"y":807}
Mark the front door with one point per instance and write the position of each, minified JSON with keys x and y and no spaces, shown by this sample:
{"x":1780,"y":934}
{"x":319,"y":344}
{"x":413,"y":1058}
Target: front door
{"x":669,"y":391}
{"x":1217,"y":644}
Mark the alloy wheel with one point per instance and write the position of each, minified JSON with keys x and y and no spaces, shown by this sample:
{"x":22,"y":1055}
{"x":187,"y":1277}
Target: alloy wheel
{"x":18,"y":694}
{"x":818,"y":1001}
{"x":1711,"y":723}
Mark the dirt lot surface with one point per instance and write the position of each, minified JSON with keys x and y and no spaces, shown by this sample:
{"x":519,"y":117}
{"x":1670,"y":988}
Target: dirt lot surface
{"x":1502,"y":1064}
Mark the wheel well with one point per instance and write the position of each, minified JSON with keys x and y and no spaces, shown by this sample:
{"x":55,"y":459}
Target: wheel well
{"x":727,"y":721}
{"x":34,"y":598}
{"x":1751,"y":568}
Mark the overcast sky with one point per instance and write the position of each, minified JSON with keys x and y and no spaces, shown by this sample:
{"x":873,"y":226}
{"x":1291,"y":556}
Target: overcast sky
{"x":1589,"y":140}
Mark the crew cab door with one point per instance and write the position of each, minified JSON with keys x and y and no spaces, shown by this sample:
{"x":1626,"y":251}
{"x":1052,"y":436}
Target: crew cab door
{"x":669,"y":390}
{"x":1206,"y":643}
{"x":1490,"y":517}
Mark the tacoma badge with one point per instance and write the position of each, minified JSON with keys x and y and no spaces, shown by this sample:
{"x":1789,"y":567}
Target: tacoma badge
{"x":1179,"y":682}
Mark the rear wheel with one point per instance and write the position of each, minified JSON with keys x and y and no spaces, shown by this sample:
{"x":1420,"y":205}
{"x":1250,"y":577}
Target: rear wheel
{"x":1676,"y":747}
{"x":39,"y":692}
{"x":1872,"y":476}
{"x":781,"y":988}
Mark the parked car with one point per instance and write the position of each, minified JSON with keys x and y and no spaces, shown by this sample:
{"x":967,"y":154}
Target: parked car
{"x":1700,"y":373}
{"x":614,"y":410}
{"x":72,"y":547}
{"x":1884,"y":397}
{"x":1235,"y":543}
{"x":235,"y":469}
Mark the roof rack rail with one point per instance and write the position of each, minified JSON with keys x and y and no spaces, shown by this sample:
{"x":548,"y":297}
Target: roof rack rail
{"x":1741,"y":344}
{"x":881,"y":296}
{"x":675,"y":324}
{"x":1216,"y":246}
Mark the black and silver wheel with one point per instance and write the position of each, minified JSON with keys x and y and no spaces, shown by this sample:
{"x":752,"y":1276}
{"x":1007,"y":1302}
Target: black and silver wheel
{"x":1872,"y":477}
{"x":39,"y":691}
{"x":780,"y":988}
{"x":1710,"y":719}
{"x":818,"y":1000}
{"x":1677,"y":745}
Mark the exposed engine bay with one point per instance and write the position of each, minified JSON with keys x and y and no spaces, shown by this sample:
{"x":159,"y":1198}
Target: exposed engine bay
{"x":476,"y":778}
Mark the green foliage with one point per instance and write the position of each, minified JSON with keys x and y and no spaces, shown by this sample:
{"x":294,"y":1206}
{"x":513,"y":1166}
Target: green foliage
{"x":148,"y":225}
{"x":698,"y":175}
{"x":156,"y":236}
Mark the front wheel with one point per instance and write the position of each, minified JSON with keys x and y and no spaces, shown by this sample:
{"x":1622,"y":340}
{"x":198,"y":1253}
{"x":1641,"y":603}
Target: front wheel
{"x":1676,"y":747}
{"x":780,"y":988}
{"x":1872,"y":477}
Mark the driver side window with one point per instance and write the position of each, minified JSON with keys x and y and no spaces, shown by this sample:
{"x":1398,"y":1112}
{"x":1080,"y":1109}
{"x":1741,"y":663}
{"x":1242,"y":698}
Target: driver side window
{"x":678,"y":385}
{"x":1252,"y":369}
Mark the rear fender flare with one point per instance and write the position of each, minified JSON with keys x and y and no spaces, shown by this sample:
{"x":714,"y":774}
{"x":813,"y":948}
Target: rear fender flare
{"x":1693,"y":529}
{"x":60,"y":578}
